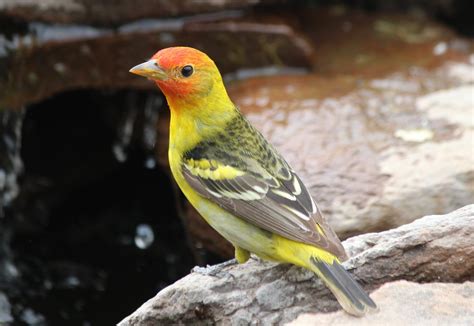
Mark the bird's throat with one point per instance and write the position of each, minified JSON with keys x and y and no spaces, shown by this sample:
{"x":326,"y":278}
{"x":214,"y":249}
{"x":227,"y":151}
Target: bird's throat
{"x":190,"y":122}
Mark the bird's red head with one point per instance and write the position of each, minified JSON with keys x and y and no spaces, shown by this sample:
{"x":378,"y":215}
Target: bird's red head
{"x":181,"y":72}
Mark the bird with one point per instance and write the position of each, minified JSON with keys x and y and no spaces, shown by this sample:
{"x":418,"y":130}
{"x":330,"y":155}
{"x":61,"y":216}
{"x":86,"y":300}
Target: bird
{"x":238,"y":182}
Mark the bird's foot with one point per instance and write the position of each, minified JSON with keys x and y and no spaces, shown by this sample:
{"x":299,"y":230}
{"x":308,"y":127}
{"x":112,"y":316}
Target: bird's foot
{"x":215,"y":270}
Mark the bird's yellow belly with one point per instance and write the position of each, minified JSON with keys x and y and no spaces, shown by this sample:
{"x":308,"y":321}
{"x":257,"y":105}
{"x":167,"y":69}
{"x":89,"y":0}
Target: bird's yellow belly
{"x":242,"y":234}
{"x":234,"y":229}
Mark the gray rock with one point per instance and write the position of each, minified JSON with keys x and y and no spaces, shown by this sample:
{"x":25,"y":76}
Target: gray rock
{"x":431,"y":249}
{"x":408,"y":303}
{"x":275,"y":295}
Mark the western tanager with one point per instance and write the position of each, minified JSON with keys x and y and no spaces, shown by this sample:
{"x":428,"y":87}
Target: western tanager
{"x":238,"y":182}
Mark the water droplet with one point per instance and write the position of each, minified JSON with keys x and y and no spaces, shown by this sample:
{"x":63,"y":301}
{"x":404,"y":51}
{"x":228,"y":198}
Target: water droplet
{"x":440,"y":48}
{"x":31,"y":317}
{"x":119,"y":152}
{"x":150,"y":163}
{"x":151,"y":112}
{"x":48,"y":285}
{"x":60,"y":68}
{"x":124,"y":136}
{"x":3,"y":178}
{"x":144,"y":236}
{"x":10,"y":270}
{"x":72,"y":281}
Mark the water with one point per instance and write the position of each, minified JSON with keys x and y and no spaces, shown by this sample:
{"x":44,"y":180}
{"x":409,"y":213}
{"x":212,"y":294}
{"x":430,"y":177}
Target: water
{"x":85,"y":225}
{"x":144,"y":236}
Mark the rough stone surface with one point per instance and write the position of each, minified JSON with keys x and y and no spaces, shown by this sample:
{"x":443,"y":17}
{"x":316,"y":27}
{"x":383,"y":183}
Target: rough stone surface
{"x":431,"y":249}
{"x":408,"y":303}
{"x":381,"y":136}
{"x":381,"y":154}
{"x":113,"y":11}
{"x":49,"y":59}
{"x":375,"y":158}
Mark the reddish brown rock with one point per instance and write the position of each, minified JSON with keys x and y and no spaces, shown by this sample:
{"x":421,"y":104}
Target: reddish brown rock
{"x":54,"y":59}
{"x":356,"y":131}
{"x":357,"y":44}
{"x":386,"y":149}
{"x":112,"y":11}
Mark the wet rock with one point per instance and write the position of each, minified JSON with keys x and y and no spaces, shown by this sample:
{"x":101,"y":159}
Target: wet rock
{"x":5,"y":310}
{"x":113,"y":12}
{"x":48,"y":59}
{"x":431,"y":249}
{"x":351,"y":42}
{"x":357,"y":128}
{"x":408,"y":303}
{"x":375,"y":153}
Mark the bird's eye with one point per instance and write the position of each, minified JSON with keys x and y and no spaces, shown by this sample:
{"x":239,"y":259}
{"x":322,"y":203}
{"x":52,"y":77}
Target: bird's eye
{"x":187,"y":71}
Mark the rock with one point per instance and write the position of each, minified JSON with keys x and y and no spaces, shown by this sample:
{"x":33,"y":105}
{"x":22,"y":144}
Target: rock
{"x":356,"y":43}
{"x":357,"y":143}
{"x":359,"y":164}
{"x":408,"y":303}
{"x":357,"y":128}
{"x":431,"y":249}
{"x":49,"y":59}
{"x":5,"y":310}
{"x":113,"y":12}
{"x":395,"y":57}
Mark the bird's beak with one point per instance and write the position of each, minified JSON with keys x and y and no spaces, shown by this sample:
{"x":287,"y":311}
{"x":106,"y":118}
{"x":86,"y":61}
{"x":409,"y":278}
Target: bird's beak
{"x":149,"y":69}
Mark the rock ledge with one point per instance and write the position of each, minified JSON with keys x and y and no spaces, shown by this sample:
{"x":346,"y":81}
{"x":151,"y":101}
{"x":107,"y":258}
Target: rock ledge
{"x":438,"y":248}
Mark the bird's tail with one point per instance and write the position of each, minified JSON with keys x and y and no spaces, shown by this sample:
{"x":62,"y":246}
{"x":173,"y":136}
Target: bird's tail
{"x":348,"y":292}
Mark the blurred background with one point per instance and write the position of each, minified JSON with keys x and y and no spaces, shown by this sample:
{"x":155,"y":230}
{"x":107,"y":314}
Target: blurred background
{"x":91,"y":223}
